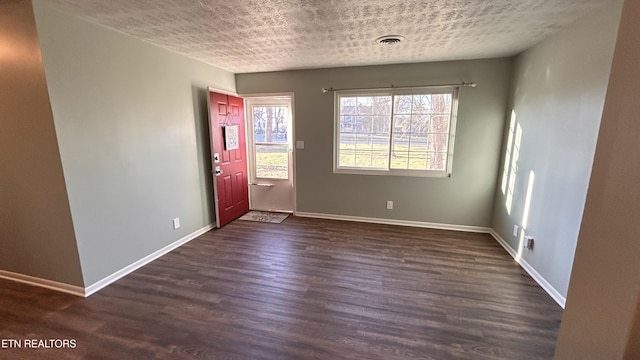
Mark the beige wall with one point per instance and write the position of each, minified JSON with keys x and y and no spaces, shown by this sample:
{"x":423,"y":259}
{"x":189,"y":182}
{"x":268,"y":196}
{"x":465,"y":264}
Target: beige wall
{"x":36,"y":230}
{"x":605,"y":281}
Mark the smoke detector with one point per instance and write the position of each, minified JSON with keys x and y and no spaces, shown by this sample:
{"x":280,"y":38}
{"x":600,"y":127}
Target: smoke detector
{"x":389,"y":39}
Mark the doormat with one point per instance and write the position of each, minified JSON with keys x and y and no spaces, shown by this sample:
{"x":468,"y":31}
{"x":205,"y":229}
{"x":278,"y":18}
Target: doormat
{"x":264,"y":216}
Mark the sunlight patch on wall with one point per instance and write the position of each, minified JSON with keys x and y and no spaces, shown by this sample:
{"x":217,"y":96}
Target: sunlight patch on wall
{"x":527,"y":201}
{"x":525,"y":213}
{"x":513,"y":168}
{"x":507,"y":156}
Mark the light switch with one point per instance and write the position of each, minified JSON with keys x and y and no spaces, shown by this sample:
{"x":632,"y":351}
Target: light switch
{"x":299,"y":144}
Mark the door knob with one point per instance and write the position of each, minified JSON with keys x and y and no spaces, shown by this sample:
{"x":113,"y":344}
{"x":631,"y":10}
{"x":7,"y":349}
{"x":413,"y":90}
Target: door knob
{"x":218,"y":171}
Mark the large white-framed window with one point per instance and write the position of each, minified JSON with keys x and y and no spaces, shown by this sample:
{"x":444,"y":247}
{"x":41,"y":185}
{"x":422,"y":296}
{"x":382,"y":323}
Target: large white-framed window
{"x":405,"y":132}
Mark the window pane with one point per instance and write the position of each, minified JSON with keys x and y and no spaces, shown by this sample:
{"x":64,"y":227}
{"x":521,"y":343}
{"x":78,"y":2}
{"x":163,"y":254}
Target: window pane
{"x":365,"y":123}
{"x":347,"y":158}
{"x":382,"y":105}
{"x":399,"y":159}
{"x":380,"y":156}
{"x":394,"y":132}
{"x":363,"y":141}
{"x":347,"y":123}
{"x":420,"y":123}
{"x":272,"y":161}
{"x":270,"y":124}
{"x":421,"y":104}
{"x":402,"y":104}
{"x":436,"y":161}
{"x":401,"y":124}
{"x":439,"y":123}
{"x":417,"y":160}
{"x":347,"y":106}
{"x":420,"y":131}
{"x":381,"y":125}
{"x":419,"y":143}
{"x":438,"y":142}
{"x":365,"y":105}
{"x":409,"y":156}
{"x":363,"y":158}
{"x":441,"y":112}
{"x":347,"y":141}
{"x":400,"y":153}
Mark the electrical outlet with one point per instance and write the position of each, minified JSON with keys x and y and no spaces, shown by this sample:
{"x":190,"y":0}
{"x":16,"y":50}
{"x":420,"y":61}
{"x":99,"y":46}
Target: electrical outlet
{"x":515,"y":230}
{"x":528,"y":242}
{"x":389,"y":205}
{"x":176,"y":223}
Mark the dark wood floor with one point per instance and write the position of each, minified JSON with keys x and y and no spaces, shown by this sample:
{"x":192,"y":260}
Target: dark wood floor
{"x":303,"y":289}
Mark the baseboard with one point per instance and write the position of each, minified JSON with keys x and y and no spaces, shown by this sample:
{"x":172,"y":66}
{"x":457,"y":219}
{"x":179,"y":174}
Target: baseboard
{"x":100,"y":284}
{"x":85,"y":292}
{"x":421,"y":224}
{"x":561,"y":300}
{"x":44,"y":283}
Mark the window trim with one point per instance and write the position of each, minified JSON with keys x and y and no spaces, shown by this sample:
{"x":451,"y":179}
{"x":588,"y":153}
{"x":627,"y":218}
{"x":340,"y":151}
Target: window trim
{"x":453,"y":90}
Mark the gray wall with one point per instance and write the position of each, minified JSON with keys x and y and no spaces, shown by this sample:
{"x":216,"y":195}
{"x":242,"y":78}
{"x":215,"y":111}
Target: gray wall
{"x":464,"y":199}
{"x":557,"y":95}
{"x":133,"y":135}
{"x":36,"y":232}
{"x":605,"y":281}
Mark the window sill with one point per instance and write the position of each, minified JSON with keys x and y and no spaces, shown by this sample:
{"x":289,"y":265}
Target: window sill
{"x":409,"y":173}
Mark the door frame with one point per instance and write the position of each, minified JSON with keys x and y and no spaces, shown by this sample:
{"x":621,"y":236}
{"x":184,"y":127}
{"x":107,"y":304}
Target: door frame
{"x":211,"y":172}
{"x":250,"y":154}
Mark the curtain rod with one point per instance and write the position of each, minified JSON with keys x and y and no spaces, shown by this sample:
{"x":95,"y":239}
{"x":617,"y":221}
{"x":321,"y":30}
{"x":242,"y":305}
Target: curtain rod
{"x":462,"y":84}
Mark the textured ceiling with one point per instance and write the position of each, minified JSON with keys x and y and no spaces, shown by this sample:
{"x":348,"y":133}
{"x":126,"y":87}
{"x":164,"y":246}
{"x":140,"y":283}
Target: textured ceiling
{"x":266,"y":35}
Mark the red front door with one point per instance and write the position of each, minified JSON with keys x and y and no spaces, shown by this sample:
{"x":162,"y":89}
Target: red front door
{"x":229,"y":157}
